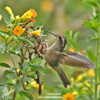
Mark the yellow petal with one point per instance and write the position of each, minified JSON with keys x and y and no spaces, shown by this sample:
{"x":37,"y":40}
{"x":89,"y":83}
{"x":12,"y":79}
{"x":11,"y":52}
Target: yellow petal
{"x":75,"y":93}
{"x":18,"y":70}
{"x":79,"y":78}
{"x":32,"y":83}
{"x":37,"y":32}
{"x":17,"y":17}
{"x":10,"y":12}
{"x":28,"y":14}
{"x":0,"y":17}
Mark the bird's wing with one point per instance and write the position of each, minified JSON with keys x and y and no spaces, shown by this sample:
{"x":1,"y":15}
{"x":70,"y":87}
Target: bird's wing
{"x":75,"y":60}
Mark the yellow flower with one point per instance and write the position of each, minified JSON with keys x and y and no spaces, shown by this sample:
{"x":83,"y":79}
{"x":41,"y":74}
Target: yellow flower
{"x":18,"y":30}
{"x":75,"y":93}
{"x":33,"y":83}
{"x":71,"y":49}
{"x":69,"y":96}
{"x":37,"y":86}
{"x":0,"y":17}
{"x":34,"y":13}
{"x":37,"y":32}
{"x":17,"y":17}
{"x":87,"y":84}
{"x":18,"y":70}
{"x":28,"y":14}
{"x":10,"y":12}
{"x":91,"y":73}
{"x":79,"y":78}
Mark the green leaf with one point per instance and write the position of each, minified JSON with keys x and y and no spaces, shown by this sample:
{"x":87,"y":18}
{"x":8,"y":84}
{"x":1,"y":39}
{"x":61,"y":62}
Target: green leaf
{"x":87,"y":24}
{"x":90,"y":54}
{"x":27,"y":94}
{"x":7,"y":21}
{"x":2,"y":86}
{"x":11,"y":84}
{"x":73,"y":43}
{"x":2,"y":47}
{"x":8,"y":72}
{"x":17,"y":88}
{"x":15,"y":53}
{"x":4,"y":36}
{"x":68,"y":34}
{"x":76,"y":36}
{"x":93,"y":3}
{"x":25,"y":66}
{"x":4,"y":65}
{"x":92,"y":38}
{"x":25,"y":40}
{"x":33,"y":75}
{"x":36,"y":66}
{"x":5,"y":32}
{"x":11,"y":76}
{"x":26,"y":79}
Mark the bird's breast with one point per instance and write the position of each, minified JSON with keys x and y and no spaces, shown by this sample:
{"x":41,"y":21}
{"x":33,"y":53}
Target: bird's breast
{"x":51,"y":58}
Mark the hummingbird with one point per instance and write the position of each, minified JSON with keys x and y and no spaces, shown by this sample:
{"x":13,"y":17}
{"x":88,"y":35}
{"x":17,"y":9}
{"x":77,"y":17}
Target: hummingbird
{"x":56,"y":56}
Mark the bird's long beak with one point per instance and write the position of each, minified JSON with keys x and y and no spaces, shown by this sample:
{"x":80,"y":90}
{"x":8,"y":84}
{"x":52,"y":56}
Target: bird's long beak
{"x":52,"y":33}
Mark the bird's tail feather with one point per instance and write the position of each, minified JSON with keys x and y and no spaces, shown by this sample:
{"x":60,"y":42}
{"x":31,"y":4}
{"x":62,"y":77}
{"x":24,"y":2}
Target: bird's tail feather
{"x":63,"y":77}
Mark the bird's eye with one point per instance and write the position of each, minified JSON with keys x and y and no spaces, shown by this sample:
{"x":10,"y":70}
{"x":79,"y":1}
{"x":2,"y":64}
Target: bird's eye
{"x":60,"y":37}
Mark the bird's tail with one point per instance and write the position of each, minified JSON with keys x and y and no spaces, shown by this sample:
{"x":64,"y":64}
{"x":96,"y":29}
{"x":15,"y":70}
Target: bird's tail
{"x":63,"y":77}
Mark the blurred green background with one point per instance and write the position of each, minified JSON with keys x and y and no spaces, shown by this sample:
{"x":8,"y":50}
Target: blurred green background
{"x":56,"y":16}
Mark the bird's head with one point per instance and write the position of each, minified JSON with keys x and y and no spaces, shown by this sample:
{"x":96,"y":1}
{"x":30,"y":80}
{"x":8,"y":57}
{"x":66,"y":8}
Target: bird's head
{"x":60,"y":39}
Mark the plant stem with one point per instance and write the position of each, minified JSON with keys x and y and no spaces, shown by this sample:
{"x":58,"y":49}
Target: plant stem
{"x":12,"y":60}
{"x":14,"y":95}
{"x":96,"y":70}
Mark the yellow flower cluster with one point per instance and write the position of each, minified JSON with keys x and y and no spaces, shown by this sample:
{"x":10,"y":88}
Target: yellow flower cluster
{"x":35,"y":85}
{"x":29,"y":14}
{"x":89,"y":73}
{"x":18,"y":30}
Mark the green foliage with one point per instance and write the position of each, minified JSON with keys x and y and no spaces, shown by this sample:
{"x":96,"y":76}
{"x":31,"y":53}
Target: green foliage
{"x":72,"y":39}
{"x":4,"y":65}
{"x":27,"y":94}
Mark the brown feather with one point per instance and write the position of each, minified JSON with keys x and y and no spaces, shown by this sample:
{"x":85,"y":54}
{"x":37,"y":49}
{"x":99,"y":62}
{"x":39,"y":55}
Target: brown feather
{"x":74,"y":59}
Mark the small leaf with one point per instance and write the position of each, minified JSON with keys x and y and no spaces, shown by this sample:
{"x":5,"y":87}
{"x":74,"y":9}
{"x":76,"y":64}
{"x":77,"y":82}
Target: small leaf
{"x":36,"y":66}
{"x":87,"y":24}
{"x":76,"y":36}
{"x":68,"y":34}
{"x":27,"y":94}
{"x":2,"y":47}
{"x":7,"y":21}
{"x":4,"y":36}
{"x":2,"y":86}
{"x":4,"y":65}
{"x":93,"y":3}
{"x":25,"y":79}
{"x":90,"y":54}
{"x":92,"y":38}
{"x":5,"y":32}
{"x":25,"y":40}
{"x":15,"y":53}
{"x":33,"y":75}
{"x":73,"y":43}
{"x":11,"y":76}
{"x":17,"y":88}
{"x":8,"y":72}
{"x":25,"y":66}
{"x":11,"y":84}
